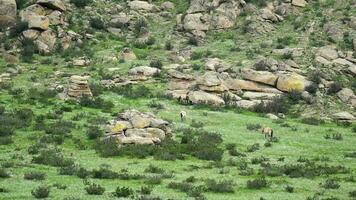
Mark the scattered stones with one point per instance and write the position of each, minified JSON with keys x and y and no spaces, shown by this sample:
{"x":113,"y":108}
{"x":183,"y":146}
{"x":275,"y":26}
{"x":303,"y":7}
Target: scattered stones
{"x":81,"y":62}
{"x":134,"y":127}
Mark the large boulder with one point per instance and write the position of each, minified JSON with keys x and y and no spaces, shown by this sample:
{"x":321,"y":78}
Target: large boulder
{"x":144,"y":71}
{"x":328,"y":52}
{"x":38,"y":22}
{"x":141,"y":6}
{"x":347,"y":96}
{"x":53,"y":4}
{"x":31,"y":11}
{"x":201,"y":97}
{"x":292,"y":82}
{"x":264,"y":77}
{"x":8,"y":11}
{"x":343,"y":116}
{"x":46,"y":41}
{"x":211,"y":82}
{"x":196,"y":21}
{"x":216,"y":64}
{"x":299,"y":3}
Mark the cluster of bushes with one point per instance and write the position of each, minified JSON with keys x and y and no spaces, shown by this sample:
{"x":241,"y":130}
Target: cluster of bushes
{"x":96,"y":102}
{"x":334,"y":136}
{"x":13,"y":120}
{"x":52,"y":157}
{"x":133,"y":91}
{"x":38,"y":176}
{"x":277,"y":105}
{"x":81,"y":3}
{"x":41,"y":192}
{"x":196,"y":142}
{"x":307,"y":169}
{"x":257,"y":183}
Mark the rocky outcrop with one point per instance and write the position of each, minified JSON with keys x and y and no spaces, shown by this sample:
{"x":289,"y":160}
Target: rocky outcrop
{"x":206,"y":15}
{"x":344,"y":116}
{"x":216,"y":64}
{"x":53,"y":4}
{"x":211,"y":82}
{"x":141,"y":6}
{"x":134,"y":127}
{"x":347,"y":96}
{"x":143,"y":72}
{"x":237,"y":84}
{"x":78,"y":87}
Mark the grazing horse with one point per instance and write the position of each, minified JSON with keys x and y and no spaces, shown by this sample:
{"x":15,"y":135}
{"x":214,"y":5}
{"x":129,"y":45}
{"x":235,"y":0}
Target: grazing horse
{"x":268,"y":132}
{"x":183,"y":115}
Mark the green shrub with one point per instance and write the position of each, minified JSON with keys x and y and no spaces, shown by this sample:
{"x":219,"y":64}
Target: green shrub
{"x":82,"y":172}
{"x":123,"y":192}
{"x":3,"y":190}
{"x":193,"y":41}
{"x":97,"y":23}
{"x":38,"y":176}
{"x":197,"y":124}
{"x":52,"y":157}
{"x":96,"y":88}
{"x":225,"y":186}
{"x":257,"y":183}
{"x":94,"y":189}
{"x":104,"y":172}
{"x":156,"y":64}
{"x":4,"y":173}
{"x":41,"y":192}
{"x":94,"y":132}
{"x":96,"y":102}
{"x":153,"y":180}
{"x":145,"y":190}
{"x":350,"y":155}
{"x":133,"y":91}
{"x":331,"y":184}
{"x":352,"y":194}
{"x":81,"y":3}
{"x":29,"y":48}
{"x":289,"y":189}
{"x":154,"y":169}
{"x":334,"y":88}
{"x":276,"y":105}
{"x":253,"y":127}
{"x":168,"y":45}
{"x":6,"y":140}
{"x":253,"y":148}
{"x":17,"y":29}
{"x":67,"y":170}
{"x":140,"y":24}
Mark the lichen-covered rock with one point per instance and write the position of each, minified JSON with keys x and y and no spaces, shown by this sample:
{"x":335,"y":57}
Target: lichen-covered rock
{"x":292,"y":82}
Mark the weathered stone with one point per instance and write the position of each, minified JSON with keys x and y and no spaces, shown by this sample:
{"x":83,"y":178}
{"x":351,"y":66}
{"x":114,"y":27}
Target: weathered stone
{"x":38,"y":22}
{"x":31,"y":34}
{"x":144,"y":71}
{"x":167,"y":5}
{"x":258,"y":95}
{"x":328,"y":53}
{"x":344,"y":116}
{"x":201,"y":97}
{"x":31,"y":11}
{"x":53,"y":4}
{"x":78,"y":87}
{"x":180,"y":84}
{"x":247,"y":104}
{"x":138,"y":121}
{"x":177,"y":94}
{"x":236,"y":84}
{"x":179,"y":75}
{"x":347,"y":96}
{"x":292,"y":82}
{"x":272,"y":116}
{"x":56,"y":17}
{"x":46,"y":41}
{"x":260,"y":76}
{"x":352,"y":70}
{"x":299,"y":3}
{"x":209,"y":79}
{"x":216,"y":64}
{"x":127,"y":54}
{"x":141,"y":6}
{"x":343,"y":62}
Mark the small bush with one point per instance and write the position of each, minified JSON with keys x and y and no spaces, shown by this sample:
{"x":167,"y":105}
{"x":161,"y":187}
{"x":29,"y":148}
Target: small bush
{"x":156,"y":64}
{"x":94,"y":132}
{"x":17,"y":29}
{"x":94,"y":189}
{"x":38,"y":176}
{"x":312,"y":121}
{"x":154,"y":169}
{"x":123,"y":192}
{"x":81,"y":3}
{"x":193,"y":41}
{"x":253,"y":148}
{"x":350,"y":155}
{"x":41,"y":192}
{"x":145,"y":190}
{"x":82,"y":172}
{"x":334,"y":88}
{"x":257,"y":183}
{"x":153,"y":180}
{"x":6,"y":140}
{"x":104,"y":172}
{"x":168,"y":45}
{"x":4,"y":173}
{"x":312,"y":88}
{"x":52,"y":157}
{"x":331,"y":184}
{"x":276,"y":105}
{"x":352,"y":194}
{"x":197,"y":124}
{"x":3,"y":190}
{"x":225,"y":186}
{"x":289,"y":189}
{"x":97,"y":23}
{"x":253,"y":127}
{"x":140,"y":24}
{"x":29,"y":48}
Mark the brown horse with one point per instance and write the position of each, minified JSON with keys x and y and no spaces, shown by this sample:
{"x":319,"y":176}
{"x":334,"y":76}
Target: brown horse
{"x":268,"y":132}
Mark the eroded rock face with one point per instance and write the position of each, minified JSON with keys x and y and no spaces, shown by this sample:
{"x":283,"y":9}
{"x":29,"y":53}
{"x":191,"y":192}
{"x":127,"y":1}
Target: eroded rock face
{"x":143,"y":72}
{"x":347,"y":96}
{"x":134,"y":127}
{"x":79,"y":87}
{"x":201,"y":97}
{"x":264,"y":77}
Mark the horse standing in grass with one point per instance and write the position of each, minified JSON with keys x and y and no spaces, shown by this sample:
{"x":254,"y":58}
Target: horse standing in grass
{"x":268,"y":132}
{"x":183,"y":115}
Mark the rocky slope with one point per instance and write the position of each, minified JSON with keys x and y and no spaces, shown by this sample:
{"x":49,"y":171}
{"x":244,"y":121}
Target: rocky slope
{"x":238,"y":52}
